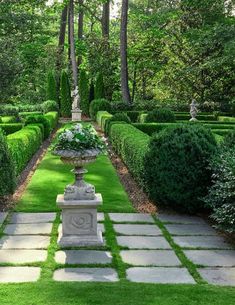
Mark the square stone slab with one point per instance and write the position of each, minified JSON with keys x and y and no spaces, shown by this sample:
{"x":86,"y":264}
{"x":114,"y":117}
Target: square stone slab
{"x":190,"y":229}
{"x":143,"y":242}
{"x":83,"y":257}
{"x":207,"y":242}
{"x":22,"y":256}
{"x":218,"y":276}
{"x":159,"y":275}
{"x":212,"y":258}
{"x":28,"y":229}
{"x":19,"y":274}
{"x":150,"y":257}
{"x":2,"y":217}
{"x":100,"y":226}
{"x":86,"y":275}
{"x":32,"y":217}
{"x":131,"y":217}
{"x":100,"y":216}
{"x":132,"y":229}
{"x":179,"y":218}
{"x":24,"y":242}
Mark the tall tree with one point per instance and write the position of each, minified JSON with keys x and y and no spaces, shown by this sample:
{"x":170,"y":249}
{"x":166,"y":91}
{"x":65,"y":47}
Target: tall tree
{"x":80,"y":27}
{"x":72,"y":51}
{"x":106,"y":19}
{"x":123,"y":52}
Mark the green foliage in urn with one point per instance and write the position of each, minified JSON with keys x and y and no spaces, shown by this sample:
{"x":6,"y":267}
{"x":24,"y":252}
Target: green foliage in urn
{"x":7,"y":178}
{"x":65,"y":95}
{"x":79,"y":138}
{"x":84,"y":92}
{"x":176,"y":166}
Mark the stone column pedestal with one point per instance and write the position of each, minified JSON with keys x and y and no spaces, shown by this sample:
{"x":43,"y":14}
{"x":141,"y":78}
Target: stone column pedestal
{"x":76,"y":115}
{"x":79,"y":222}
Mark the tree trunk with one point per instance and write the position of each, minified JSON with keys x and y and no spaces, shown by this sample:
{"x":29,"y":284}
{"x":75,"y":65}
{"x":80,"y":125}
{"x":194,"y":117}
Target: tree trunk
{"x":123,"y":52}
{"x":73,"y":55}
{"x":80,"y":27}
{"x":106,"y":19}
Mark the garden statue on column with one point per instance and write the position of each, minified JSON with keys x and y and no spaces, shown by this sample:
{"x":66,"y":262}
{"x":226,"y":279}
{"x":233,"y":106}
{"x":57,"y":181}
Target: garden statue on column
{"x":193,"y":111}
{"x":76,"y":112}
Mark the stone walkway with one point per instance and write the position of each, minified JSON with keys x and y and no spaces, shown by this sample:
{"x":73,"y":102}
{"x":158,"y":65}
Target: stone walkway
{"x":145,"y":252}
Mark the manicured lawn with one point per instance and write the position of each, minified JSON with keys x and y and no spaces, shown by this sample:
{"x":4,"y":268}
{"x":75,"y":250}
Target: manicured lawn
{"x":52,"y":176}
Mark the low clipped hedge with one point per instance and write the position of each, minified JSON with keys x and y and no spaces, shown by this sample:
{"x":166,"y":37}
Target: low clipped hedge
{"x":98,"y":105}
{"x":7,"y":169}
{"x":8,"y":119}
{"x":11,"y":128}
{"x":39,"y":119}
{"x":23,"y":145}
{"x":161,"y":115}
{"x":176,"y":166}
{"x":23,"y":115}
{"x":101,"y":118}
{"x":226,"y":119}
{"x":117,"y":117}
{"x":200,"y":117}
{"x":132,"y":145}
{"x":53,"y":118}
{"x":133,"y":115}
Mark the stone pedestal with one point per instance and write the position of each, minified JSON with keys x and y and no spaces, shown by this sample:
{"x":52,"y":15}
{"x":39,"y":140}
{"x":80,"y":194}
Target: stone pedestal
{"x":79,"y":222}
{"x":76,"y":115}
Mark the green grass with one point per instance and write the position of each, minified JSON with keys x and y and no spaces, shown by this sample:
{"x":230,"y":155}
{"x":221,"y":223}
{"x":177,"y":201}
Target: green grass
{"x":52,"y":176}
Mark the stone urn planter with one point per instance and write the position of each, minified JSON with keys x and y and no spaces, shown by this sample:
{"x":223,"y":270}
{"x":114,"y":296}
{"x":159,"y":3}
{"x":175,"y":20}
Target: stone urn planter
{"x":79,"y":202}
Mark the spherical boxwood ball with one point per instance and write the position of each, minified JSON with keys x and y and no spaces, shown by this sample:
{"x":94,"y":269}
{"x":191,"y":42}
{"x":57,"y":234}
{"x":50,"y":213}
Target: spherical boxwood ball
{"x":176,"y":166}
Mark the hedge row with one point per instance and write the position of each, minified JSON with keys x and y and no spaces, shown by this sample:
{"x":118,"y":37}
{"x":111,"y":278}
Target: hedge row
{"x":23,"y":144}
{"x":102,"y":117}
{"x":8,"y":119}
{"x":11,"y":128}
{"x":132,"y":145}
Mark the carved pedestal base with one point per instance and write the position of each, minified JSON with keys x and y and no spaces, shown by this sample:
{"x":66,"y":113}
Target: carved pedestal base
{"x":76,"y":115}
{"x":79,"y":222}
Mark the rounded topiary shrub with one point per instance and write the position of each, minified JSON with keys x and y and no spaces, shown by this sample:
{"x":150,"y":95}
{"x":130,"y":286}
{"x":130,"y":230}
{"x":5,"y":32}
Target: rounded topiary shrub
{"x":117,"y":117}
{"x":7,"y":169}
{"x":161,"y":115}
{"x":99,"y":105}
{"x":176,"y":166}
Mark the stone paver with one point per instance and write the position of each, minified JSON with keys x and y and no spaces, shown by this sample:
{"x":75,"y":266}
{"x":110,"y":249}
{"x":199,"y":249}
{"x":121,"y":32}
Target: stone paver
{"x":177,"y":229}
{"x":86,"y":275}
{"x":143,"y":242}
{"x":2,"y":217}
{"x":218,"y":276}
{"x":131,"y":217}
{"x":28,"y":229}
{"x":22,"y":256}
{"x":183,"y":219}
{"x":133,"y":229}
{"x":24,"y":242}
{"x":159,"y":275}
{"x":150,"y":257}
{"x":207,"y":242}
{"x":32,"y":217}
{"x":100,"y":216}
{"x":19,"y":274}
{"x":83,"y":257}
{"x":212,"y":258}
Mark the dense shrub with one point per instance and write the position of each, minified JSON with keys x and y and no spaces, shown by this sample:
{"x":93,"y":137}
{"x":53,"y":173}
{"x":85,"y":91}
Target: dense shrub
{"x":99,"y":87}
{"x":9,"y":110}
{"x":40,"y":119}
{"x":132,"y":145}
{"x":151,"y":128}
{"x":7,"y":170}
{"x":8,"y":119}
{"x":23,"y":115}
{"x":120,"y":106}
{"x":229,"y":139}
{"x":176,"y":166}
{"x":53,"y":118}
{"x":84,"y":92}
{"x":146,"y":105}
{"x":65,"y":95}
{"x":29,"y":107}
{"x":51,"y":87}
{"x":98,"y":105}
{"x":11,"y":128}
{"x":221,"y":197}
{"x":49,"y":105}
{"x":23,"y":144}
{"x":91,"y":92}
{"x":162,"y":115}
{"x":117,"y":117}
